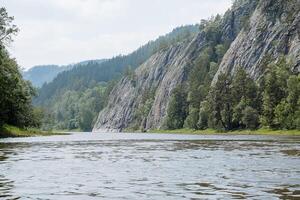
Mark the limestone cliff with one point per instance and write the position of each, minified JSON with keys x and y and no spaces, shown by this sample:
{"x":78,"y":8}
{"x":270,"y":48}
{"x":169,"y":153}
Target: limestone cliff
{"x":255,"y":30}
{"x":161,"y":74}
{"x":272,"y":30}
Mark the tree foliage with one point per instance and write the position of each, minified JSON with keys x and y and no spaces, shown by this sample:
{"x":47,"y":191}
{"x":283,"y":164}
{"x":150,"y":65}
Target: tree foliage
{"x":177,"y":109}
{"x":238,"y":102}
{"x":7,"y":28}
{"x":16,"y":93}
{"x":77,"y":109}
{"x":275,"y":93}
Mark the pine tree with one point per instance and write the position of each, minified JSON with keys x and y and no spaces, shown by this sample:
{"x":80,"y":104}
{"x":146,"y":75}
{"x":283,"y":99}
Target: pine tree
{"x":288,"y":110}
{"x":275,"y":85}
{"x":222,"y":104}
{"x":16,"y":93}
{"x":177,"y":109}
{"x":250,"y":118}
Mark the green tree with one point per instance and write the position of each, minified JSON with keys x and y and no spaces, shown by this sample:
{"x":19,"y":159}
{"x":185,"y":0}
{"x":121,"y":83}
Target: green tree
{"x":274,"y":91}
{"x":220,"y":51}
{"x":244,"y":94}
{"x":250,"y":118}
{"x":288,"y":110}
{"x":244,"y":87}
{"x":177,"y":109}
{"x":37,"y":117}
{"x":16,"y":93}
{"x":86,"y":117}
{"x":7,"y":29}
{"x":222,"y":105}
{"x":204,"y":115}
{"x":199,"y":82}
{"x":238,"y":113}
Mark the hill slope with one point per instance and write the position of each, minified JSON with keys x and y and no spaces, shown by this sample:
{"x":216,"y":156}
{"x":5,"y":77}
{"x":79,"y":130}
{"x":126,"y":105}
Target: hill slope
{"x":38,"y":75}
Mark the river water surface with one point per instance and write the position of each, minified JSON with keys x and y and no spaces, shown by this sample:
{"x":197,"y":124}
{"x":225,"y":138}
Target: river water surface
{"x":150,"y":166}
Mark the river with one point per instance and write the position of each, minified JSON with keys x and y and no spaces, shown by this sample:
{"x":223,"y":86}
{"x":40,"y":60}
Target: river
{"x":150,"y":166}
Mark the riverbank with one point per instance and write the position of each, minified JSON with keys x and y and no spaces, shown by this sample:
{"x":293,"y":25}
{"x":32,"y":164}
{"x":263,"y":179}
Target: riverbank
{"x":12,"y":131}
{"x":236,"y":132}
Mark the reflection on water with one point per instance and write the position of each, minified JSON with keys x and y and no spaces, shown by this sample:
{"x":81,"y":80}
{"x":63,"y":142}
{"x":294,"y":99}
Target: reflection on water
{"x":144,"y":166}
{"x":5,"y":188}
{"x":6,"y":185}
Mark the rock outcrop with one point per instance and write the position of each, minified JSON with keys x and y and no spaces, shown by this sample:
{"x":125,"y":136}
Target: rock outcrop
{"x":273,"y":30}
{"x":258,"y":31}
{"x":161,"y":74}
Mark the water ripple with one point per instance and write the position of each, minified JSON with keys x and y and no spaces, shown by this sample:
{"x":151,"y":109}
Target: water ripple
{"x":137,"y":166}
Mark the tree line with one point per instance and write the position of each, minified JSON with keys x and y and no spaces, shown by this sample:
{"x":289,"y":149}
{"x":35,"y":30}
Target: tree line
{"x":238,"y":102}
{"x":16,"y":93}
{"x":76,"y":109}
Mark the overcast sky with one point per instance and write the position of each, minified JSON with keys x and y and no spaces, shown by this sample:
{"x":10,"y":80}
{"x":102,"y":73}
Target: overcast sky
{"x":69,"y":31}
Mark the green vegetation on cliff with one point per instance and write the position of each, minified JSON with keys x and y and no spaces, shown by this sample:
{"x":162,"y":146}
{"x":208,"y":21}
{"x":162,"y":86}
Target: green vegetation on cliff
{"x":237,"y":102}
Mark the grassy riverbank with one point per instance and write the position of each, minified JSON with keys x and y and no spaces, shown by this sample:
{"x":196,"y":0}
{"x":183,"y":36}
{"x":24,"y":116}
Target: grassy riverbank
{"x":12,"y":131}
{"x":237,"y":132}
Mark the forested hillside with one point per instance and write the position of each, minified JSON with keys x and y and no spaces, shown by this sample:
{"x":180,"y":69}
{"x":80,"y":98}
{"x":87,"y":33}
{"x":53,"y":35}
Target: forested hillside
{"x":241,"y":71}
{"x":83,"y":76}
{"x":75,"y":97}
{"x":16,"y":93}
{"x":38,"y":75}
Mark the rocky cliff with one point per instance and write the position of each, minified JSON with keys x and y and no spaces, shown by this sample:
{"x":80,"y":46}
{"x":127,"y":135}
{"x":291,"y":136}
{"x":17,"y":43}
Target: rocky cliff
{"x":160,"y":74}
{"x":256,"y":30}
{"x":272,"y":30}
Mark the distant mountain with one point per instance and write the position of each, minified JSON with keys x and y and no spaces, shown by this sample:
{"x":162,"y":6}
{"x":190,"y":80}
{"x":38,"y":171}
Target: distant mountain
{"x":40,"y":74}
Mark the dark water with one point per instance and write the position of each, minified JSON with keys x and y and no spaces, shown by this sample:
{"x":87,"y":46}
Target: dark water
{"x":144,"y":166}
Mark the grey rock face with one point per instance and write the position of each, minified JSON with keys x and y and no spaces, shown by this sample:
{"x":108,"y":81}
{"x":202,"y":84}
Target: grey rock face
{"x":161,"y":74}
{"x":273,"y":31}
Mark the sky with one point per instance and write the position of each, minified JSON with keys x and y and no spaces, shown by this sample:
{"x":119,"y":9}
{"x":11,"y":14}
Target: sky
{"x":69,"y":31}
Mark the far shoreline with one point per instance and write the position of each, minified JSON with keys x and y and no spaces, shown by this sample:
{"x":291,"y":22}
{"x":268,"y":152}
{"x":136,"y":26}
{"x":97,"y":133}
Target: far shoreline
{"x":13,"y":132}
{"x":235,"y":132}
{"x":8,"y":131}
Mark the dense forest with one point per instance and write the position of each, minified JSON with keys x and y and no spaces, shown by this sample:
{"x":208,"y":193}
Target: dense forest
{"x":238,"y":102}
{"x":16,"y":93}
{"x":40,"y":74}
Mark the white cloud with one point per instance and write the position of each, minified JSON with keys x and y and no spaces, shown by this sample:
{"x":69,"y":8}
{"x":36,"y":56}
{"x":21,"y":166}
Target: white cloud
{"x":67,"y":31}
